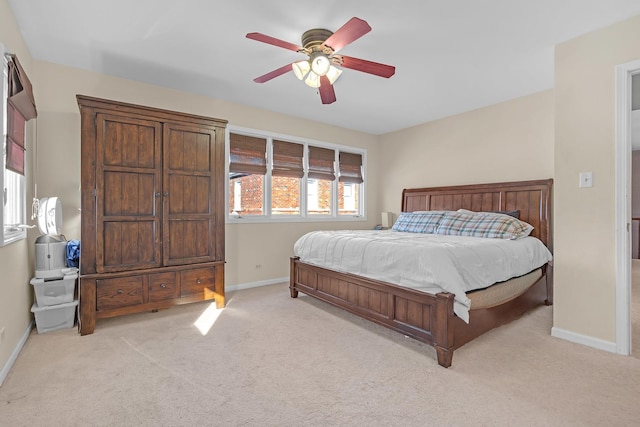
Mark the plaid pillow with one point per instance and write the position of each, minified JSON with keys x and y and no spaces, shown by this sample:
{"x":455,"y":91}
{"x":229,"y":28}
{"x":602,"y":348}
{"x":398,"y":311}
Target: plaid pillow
{"x":418,"y":222}
{"x":483,"y":224}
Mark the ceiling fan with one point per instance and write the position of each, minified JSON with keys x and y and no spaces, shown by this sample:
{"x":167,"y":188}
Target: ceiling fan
{"x":323,"y":66}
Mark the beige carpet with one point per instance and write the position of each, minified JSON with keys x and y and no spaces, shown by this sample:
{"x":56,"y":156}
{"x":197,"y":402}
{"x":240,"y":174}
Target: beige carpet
{"x":269,"y":360}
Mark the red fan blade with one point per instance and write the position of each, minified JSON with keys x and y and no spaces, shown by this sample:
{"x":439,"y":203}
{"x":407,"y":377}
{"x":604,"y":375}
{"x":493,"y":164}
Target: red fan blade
{"x":273,"y":41}
{"x":348,"y":33}
{"x":273,"y":74}
{"x":327,"y":94}
{"x":370,"y":67}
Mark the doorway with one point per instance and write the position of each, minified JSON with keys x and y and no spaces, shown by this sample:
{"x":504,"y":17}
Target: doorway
{"x":635,"y":214}
{"x":624,"y":131}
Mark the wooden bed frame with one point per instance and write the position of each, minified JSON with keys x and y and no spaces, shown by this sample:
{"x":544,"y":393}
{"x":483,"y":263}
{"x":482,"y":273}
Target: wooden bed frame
{"x":427,"y":317}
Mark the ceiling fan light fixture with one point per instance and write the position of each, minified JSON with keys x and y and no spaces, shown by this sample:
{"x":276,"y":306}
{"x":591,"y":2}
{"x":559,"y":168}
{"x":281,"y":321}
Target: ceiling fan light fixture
{"x":303,"y":71}
{"x":312,"y":80}
{"x":300,"y":69}
{"x":333,"y":74}
{"x":320,"y":63}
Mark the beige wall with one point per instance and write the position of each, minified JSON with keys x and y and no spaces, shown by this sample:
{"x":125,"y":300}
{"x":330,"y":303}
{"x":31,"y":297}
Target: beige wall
{"x":585,"y":276}
{"x":15,"y":263}
{"x":510,"y":141}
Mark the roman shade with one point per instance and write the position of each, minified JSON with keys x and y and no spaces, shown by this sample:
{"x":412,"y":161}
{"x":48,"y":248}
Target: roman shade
{"x":321,"y":163}
{"x":247,"y":155}
{"x":287,"y":159}
{"x":350,"y":168}
{"x":21,"y":107}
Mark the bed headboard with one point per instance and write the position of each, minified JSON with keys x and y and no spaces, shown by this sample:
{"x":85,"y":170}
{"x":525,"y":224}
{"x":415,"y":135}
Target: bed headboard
{"x":531,"y":198}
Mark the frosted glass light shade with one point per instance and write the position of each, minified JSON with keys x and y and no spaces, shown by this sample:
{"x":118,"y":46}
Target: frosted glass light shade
{"x":333,"y":74}
{"x":300,"y":69}
{"x":304,"y":71}
{"x":312,"y":79}
{"x":320,"y":64}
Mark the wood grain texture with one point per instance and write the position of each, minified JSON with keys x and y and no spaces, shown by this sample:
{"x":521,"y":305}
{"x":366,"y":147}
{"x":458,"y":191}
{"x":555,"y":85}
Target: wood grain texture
{"x":190,"y":194}
{"x":152,"y":194}
{"x":531,"y":198}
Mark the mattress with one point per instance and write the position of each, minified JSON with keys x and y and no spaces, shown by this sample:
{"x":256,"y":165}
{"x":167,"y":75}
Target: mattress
{"x":500,"y":293}
{"x":427,"y":262}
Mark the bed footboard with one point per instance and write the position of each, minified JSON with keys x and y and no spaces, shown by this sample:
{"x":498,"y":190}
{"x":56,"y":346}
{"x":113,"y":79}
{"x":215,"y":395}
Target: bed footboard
{"x":425,"y":317}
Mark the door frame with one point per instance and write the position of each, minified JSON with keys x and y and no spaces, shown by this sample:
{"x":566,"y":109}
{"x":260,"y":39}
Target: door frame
{"x":623,"y":204}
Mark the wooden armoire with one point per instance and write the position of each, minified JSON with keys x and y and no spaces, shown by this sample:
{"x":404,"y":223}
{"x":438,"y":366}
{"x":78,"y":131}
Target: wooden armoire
{"x":152,"y":199}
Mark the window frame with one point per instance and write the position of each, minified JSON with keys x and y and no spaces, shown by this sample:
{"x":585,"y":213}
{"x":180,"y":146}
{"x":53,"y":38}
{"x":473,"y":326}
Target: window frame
{"x":304,"y":216}
{"x":9,"y":236}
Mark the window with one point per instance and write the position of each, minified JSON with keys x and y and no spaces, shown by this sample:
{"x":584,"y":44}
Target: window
{"x":321,"y":174}
{"x":286,"y":177}
{"x":273,"y":177}
{"x":247,"y":168}
{"x":350,"y":180}
{"x":12,"y":182}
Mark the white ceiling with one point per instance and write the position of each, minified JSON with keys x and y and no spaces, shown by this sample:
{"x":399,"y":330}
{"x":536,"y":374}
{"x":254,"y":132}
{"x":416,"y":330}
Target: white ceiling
{"x":450,"y":56}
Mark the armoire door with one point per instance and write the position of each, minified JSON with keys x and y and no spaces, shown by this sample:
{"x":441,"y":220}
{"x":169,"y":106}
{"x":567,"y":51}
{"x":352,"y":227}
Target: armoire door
{"x":189,"y":178}
{"x":128,"y":193}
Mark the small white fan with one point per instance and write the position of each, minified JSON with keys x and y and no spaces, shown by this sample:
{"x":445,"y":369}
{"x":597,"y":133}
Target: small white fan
{"x":50,"y":215}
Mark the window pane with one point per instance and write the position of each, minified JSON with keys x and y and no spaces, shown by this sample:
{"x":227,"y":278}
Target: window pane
{"x":348,"y":198}
{"x":12,"y":184}
{"x":319,"y":196}
{"x":13,"y":202}
{"x":285,"y":195}
{"x":246,"y":194}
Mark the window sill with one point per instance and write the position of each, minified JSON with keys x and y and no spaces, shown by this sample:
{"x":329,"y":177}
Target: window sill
{"x":272,"y":220}
{"x":12,"y":239}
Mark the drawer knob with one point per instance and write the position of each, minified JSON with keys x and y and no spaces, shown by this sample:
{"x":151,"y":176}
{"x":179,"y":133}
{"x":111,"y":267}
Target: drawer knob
{"x":163,"y":286}
{"x":119,"y":291}
{"x":198,"y":281}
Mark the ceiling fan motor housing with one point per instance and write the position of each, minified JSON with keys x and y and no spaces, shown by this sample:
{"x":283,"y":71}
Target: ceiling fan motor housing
{"x":313,"y":39}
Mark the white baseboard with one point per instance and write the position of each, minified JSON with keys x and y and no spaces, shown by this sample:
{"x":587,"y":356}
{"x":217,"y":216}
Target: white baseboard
{"x":16,"y":351}
{"x":584,"y":340}
{"x":241,"y":286}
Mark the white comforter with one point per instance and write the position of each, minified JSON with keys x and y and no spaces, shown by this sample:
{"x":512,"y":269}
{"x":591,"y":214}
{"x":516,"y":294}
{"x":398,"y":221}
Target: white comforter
{"x":428,"y":262}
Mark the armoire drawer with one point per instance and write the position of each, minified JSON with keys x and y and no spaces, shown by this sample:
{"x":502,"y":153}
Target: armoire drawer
{"x":162,"y":286}
{"x":198,"y":281}
{"x":119,"y":292}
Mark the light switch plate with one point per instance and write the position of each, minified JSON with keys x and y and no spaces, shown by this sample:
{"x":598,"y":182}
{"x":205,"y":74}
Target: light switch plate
{"x":586,"y":179}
